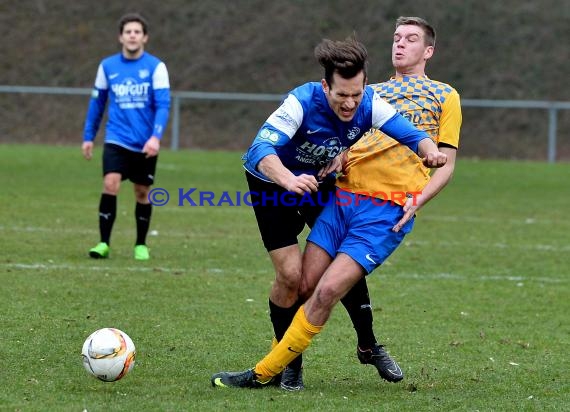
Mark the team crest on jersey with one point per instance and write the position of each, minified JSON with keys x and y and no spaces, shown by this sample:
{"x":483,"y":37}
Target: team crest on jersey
{"x":144,"y":73}
{"x":353,"y":133}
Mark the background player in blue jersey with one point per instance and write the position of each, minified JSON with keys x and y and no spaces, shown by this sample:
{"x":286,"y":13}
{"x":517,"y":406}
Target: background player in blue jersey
{"x":296,"y":150}
{"x":138,"y":89}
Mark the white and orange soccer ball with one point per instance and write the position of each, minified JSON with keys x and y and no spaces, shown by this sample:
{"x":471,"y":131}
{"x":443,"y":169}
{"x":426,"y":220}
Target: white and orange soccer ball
{"x":108,"y":354}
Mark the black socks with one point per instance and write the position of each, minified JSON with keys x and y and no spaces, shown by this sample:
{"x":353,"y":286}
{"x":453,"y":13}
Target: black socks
{"x":142,"y":216}
{"x":357,"y":304}
{"x":107,"y":214}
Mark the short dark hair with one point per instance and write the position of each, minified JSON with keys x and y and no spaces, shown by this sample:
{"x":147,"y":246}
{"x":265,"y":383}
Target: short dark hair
{"x":133,"y":17}
{"x":429,"y":31}
{"x":347,"y":58}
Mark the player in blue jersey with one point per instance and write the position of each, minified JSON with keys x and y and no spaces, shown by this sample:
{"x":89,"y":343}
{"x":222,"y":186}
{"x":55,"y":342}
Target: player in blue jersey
{"x":296,"y":152}
{"x":137,"y":87}
{"x":357,"y":233}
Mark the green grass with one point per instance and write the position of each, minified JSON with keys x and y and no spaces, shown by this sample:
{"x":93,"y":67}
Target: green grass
{"x":474,"y":305}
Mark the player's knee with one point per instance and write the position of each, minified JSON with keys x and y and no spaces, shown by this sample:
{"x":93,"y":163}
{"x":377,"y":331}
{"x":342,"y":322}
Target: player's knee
{"x":141,"y":193}
{"x":326,"y":296}
{"x":305,"y":289}
{"x":141,"y":197}
{"x":111,"y":184}
{"x":289,"y":279}
{"x":111,"y":188}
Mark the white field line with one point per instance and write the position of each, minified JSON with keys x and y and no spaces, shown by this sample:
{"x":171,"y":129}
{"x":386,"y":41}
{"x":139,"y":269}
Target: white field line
{"x":496,"y":245}
{"x":438,"y":218}
{"x":191,"y":232}
{"x":180,"y":271}
{"x":490,"y":220}
{"x":76,"y":268}
{"x":408,"y":243}
{"x":481,"y":278}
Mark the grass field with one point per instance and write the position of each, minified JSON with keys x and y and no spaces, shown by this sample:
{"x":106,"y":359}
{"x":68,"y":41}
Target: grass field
{"x":475,"y":305}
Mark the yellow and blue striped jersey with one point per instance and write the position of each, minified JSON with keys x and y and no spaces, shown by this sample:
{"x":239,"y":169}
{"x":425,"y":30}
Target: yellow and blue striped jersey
{"x":381,"y":167}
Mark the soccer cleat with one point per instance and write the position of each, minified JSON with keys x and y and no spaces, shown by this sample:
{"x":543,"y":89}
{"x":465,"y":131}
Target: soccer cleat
{"x":275,"y":381}
{"x":246,"y":379}
{"x":141,"y":252}
{"x":387,"y":367}
{"x":292,"y":379}
{"x":100,"y":251}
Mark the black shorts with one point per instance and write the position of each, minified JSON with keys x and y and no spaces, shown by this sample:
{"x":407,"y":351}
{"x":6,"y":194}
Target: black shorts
{"x":281,"y":215}
{"x":134,"y":166}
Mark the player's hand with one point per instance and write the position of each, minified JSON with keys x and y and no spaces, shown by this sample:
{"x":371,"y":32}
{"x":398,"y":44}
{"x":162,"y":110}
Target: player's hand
{"x":302,"y":184}
{"x":434,"y":159}
{"x":87,"y":150}
{"x":151,"y":147}
{"x":336,"y":165}
{"x":410,"y":208}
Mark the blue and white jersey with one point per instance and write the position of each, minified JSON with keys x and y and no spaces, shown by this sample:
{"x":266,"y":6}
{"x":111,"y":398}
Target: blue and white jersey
{"x":139,"y":101}
{"x":305,"y":133}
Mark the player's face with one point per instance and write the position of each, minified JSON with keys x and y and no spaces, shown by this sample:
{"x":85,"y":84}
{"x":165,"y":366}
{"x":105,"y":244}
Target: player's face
{"x":133,"y":39}
{"x":344,"y":95}
{"x":409,"y":51}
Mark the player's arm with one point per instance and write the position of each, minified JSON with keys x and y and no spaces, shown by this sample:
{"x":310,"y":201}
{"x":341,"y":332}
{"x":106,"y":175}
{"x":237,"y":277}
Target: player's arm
{"x":430,"y":154}
{"x":161,"y":87}
{"x":95,"y":112}
{"x":449,"y":127}
{"x":336,"y":165}
{"x":272,"y":167}
{"x":440,"y":178}
{"x":277,"y":131}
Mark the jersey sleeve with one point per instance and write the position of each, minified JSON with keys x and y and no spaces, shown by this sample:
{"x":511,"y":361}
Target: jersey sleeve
{"x":161,"y":86}
{"x":450,"y":120}
{"x":97,"y":104}
{"x":402,"y":130}
{"x":277,"y":131}
{"x":382,"y":111}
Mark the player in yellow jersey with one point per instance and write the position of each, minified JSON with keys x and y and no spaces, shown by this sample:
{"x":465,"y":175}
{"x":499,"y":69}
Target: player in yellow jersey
{"x":378,"y":164}
{"x":383,"y":185}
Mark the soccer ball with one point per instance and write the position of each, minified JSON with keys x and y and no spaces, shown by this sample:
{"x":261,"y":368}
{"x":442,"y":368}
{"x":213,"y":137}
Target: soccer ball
{"x":108,"y":354}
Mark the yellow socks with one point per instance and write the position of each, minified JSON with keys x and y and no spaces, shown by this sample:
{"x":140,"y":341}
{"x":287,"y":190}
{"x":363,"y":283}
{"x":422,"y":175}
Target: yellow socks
{"x":295,"y":341}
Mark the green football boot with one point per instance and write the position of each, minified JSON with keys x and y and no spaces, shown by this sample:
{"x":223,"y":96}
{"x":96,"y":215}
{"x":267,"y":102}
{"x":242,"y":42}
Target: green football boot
{"x":141,"y":252}
{"x":101,"y":251}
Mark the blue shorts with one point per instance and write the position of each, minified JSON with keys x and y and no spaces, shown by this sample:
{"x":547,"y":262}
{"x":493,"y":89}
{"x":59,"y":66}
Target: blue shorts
{"x":360,"y":227}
